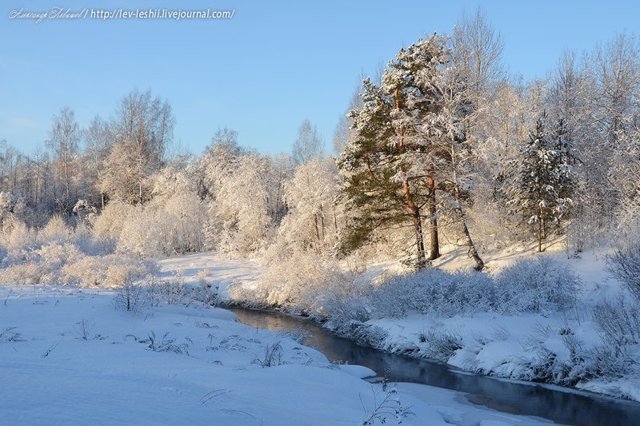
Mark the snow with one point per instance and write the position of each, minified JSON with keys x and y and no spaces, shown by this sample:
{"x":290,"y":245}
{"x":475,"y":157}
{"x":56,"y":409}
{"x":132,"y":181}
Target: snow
{"x":211,"y":267}
{"x":67,"y":356}
{"x":507,"y":345}
{"x":516,"y":346}
{"x":448,"y":403}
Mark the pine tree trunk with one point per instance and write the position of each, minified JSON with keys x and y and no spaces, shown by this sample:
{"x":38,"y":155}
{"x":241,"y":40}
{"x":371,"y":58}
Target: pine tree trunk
{"x":417,"y":223}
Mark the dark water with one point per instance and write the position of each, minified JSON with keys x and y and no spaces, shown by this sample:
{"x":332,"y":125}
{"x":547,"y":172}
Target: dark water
{"x":532,"y":400}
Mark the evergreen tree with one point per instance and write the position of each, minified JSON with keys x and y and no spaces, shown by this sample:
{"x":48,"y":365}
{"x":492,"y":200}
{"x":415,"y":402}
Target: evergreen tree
{"x":404,"y":147}
{"x":544,"y":179}
{"x":565,"y":161}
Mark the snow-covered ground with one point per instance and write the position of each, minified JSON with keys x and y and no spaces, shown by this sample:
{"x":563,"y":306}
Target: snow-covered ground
{"x":67,"y":356}
{"x":514,"y":346}
{"x":525,"y":346}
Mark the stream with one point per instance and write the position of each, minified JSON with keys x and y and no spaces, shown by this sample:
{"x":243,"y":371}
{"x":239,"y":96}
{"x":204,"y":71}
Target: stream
{"x":560,"y":406}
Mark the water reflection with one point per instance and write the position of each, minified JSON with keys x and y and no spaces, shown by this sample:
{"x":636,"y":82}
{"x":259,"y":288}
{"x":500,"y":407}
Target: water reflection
{"x":515,"y":398}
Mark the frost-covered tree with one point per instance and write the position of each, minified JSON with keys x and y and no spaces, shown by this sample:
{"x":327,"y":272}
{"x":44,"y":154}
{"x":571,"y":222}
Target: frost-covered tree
{"x":172,"y":222}
{"x":142,"y":130}
{"x":98,"y":140}
{"x":613,"y":78}
{"x":308,"y":145}
{"x":63,"y":141}
{"x":313,"y":217}
{"x":7,"y":204}
{"x":125,"y":176}
{"x":248,"y":205}
{"x":477,"y":51}
{"x":344,"y":129}
{"x":626,"y":179}
{"x":218,"y":161}
{"x":543,"y":179}
{"x":455,"y":149}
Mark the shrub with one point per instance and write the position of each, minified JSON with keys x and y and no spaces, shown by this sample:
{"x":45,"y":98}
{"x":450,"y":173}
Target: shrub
{"x":17,"y":235}
{"x":59,"y":255}
{"x":537,"y":285}
{"x":306,"y":283}
{"x":528,"y":286}
{"x":608,"y":362}
{"x":624,"y":264}
{"x":55,"y":231}
{"x":619,"y":321}
{"x":295,"y":282}
{"x":433,"y":291}
{"x":440,"y":346}
{"x":272,"y":356}
{"x":130,"y":297}
{"x":164,"y":228}
{"x":167,"y":344}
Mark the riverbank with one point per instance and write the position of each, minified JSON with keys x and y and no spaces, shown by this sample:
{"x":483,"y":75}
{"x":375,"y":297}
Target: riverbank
{"x":561,"y":405}
{"x":564,"y":347}
{"x":584,"y":347}
{"x":75,"y":356}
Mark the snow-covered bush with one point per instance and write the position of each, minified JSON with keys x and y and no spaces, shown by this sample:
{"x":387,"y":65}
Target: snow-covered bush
{"x":18,"y":235}
{"x":619,"y":321}
{"x":306,"y":283}
{"x":110,"y":222}
{"x":433,"y":291}
{"x":536,"y":285}
{"x":440,"y":345}
{"x":609,"y":362}
{"x":553,"y":355}
{"x":56,"y":230}
{"x":130,"y":297}
{"x":296,"y":282}
{"x":40,"y":265}
{"x":58,"y":254}
{"x":167,"y":226}
{"x":84,"y":238}
{"x":88,"y":271}
{"x":624,"y":264}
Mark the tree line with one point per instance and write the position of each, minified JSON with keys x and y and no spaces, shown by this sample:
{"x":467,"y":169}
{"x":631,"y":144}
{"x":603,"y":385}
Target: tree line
{"x":444,"y":147}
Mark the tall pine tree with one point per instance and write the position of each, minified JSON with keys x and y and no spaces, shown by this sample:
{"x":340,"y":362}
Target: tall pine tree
{"x":404,"y":148}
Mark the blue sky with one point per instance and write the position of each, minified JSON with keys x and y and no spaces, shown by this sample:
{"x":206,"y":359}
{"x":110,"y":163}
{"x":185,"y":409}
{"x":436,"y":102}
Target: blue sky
{"x":262,"y":72}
